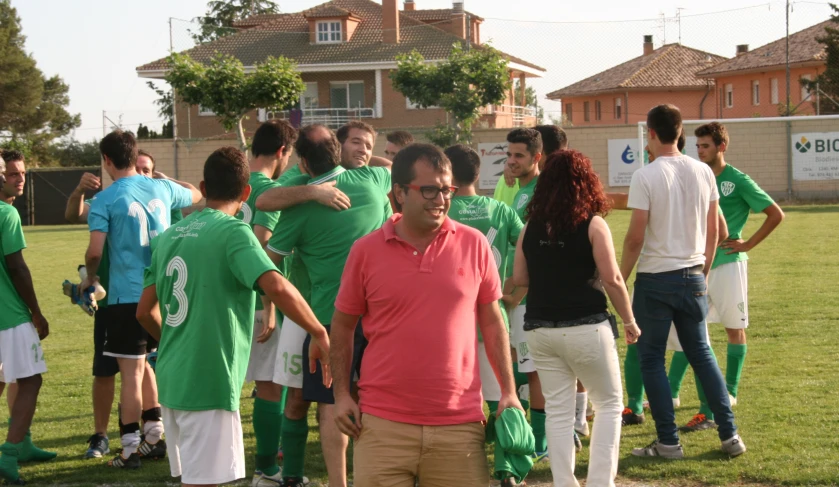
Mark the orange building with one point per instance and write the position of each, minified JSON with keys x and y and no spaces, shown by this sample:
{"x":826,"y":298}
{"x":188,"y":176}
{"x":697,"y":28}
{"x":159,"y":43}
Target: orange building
{"x":624,"y":93}
{"x":753,"y":83}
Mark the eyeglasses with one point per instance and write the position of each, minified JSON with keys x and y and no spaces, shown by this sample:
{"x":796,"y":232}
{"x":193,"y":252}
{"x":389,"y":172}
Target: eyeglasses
{"x":431,"y":192}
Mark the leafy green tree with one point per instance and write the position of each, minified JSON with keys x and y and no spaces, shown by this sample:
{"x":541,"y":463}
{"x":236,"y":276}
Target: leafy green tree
{"x":221,"y":14}
{"x":73,"y":153}
{"x":828,"y":81}
{"x":462,"y":84}
{"x":223,"y":87}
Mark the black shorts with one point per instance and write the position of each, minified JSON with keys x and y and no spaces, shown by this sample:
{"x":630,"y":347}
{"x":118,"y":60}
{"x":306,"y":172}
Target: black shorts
{"x":124,"y":336}
{"x":102,"y":366}
{"x":313,"y":388}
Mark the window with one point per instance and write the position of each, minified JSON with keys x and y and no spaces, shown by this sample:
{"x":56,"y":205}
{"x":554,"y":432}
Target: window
{"x":309,"y":99}
{"x":597,"y":112}
{"x":205,"y":112}
{"x":618,"y":109}
{"x":346,"y":94}
{"x":729,"y":96}
{"x":329,"y":32}
{"x":569,"y":112}
{"x":804,"y":91}
{"x":755,"y":93}
{"x":773,"y":85}
{"x":586,"y":115}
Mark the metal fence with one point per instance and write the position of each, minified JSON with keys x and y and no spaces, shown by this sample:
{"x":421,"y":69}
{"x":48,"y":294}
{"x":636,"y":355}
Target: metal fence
{"x":46,"y":192}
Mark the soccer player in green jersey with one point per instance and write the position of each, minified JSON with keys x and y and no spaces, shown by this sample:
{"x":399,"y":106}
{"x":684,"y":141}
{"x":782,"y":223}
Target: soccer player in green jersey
{"x":501,"y":226}
{"x":22,"y":327}
{"x":321,"y":238}
{"x":203,"y":316}
{"x":271,"y":148}
{"x":524,"y":151}
{"x":728,"y":279}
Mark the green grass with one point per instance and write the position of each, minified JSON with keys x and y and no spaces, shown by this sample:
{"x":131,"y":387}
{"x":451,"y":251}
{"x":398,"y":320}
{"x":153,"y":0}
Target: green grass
{"x":787,"y":398}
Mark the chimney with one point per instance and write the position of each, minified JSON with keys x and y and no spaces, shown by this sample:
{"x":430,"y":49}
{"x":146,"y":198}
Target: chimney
{"x":648,"y":45}
{"x":458,"y":26}
{"x":410,"y":6}
{"x":742,"y":49}
{"x":390,"y":21}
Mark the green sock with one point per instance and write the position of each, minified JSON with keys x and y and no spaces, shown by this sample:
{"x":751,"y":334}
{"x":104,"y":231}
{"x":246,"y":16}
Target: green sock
{"x":704,"y":408}
{"x":266,"y":428}
{"x":295,"y":435}
{"x":9,"y":454}
{"x":493,"y":407}
{"x":634,"y":381}
{"x":678,"y":369}
{"x":537,"y":420}
{"x":734,"y":367}
{"x":282,"y":416}
{"x":29,"y":452}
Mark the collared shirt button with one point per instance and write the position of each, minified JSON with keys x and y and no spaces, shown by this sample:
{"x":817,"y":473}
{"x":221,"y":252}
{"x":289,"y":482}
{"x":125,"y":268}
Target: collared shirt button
{"x":415,"y":252}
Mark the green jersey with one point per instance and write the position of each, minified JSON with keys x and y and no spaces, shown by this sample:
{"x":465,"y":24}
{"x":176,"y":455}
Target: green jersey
{"x":15,"y":312}
{"x":289,"y":175}
{"x":206,"y":270}
{"x":322,"y":237}
{"x":497,"y":221}
{"x":504,"y":193}
{"x":522,"y":199}
{"x":249,"y":214}
{"x":739,"y":195}
{"x":175,"y":216}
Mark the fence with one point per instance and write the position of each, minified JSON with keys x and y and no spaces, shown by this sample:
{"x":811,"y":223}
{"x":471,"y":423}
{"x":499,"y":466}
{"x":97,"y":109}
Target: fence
{"x":46,"y":192}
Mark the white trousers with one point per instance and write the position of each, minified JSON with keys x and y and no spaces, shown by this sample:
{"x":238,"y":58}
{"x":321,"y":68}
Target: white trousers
{"x":587,"y":353}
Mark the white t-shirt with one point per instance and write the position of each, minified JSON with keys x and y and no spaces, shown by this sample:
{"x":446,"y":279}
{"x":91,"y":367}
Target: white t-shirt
{"x":677,"y":191}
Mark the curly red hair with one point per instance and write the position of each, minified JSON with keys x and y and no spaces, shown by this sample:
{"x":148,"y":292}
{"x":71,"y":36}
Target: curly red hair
{"x":567,"y":193}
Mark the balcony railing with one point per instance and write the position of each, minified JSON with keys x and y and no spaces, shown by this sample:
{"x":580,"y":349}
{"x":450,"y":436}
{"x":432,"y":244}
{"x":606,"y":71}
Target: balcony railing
{"x":331,"y":117}
{"x":522,"y":116}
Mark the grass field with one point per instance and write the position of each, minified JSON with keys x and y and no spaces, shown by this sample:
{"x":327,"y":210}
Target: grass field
{"x":786,"y":414}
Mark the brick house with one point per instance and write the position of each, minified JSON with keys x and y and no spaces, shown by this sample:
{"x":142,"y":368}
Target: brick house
{"x":345,"y":50}
{"x":623,"y":94}
{"x":753,"y":83}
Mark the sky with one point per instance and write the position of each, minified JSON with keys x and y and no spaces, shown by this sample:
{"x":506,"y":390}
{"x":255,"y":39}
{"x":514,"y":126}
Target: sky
{"x":95,"y":45}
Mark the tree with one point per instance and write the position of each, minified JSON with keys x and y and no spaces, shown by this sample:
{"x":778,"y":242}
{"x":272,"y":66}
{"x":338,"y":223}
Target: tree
{"x":166,"y":110}
{"x":32,"y":107}
{"x":530,"y":100}
{"x":221,"y":14}
{"x":462,"y":84}
{"x":828,"y":81}
{"x":223,"y":87}
{"x":75,"y":154}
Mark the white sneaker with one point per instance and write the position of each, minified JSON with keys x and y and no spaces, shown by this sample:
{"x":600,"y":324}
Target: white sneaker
{"x":676,"y":402}
{"x":656,"y":449}
{"x":262,"y":480}
{"x":732,"y":400}
{"x":734,"y":446}
{"x":582,"y":429}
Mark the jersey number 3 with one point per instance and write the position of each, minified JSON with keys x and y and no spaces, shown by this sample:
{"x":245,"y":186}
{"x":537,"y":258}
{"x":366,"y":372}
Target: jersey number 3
{"x":178,"y":265}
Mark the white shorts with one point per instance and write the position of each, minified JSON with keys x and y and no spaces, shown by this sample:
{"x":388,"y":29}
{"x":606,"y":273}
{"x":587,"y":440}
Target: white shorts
{"x":518,"y":340}
{"x":728,"y":295}
{"x":288,"y":362}
{"x":263,"y":355}
{"x":489,"y":383}
{"x":20,"y":353}
{"x":205,"y":447}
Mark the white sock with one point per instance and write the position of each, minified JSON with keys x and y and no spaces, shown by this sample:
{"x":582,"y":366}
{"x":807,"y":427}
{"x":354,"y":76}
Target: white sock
{"x":130,"y":442}
{"x":153,"y":431}
{"x":580,"y":410}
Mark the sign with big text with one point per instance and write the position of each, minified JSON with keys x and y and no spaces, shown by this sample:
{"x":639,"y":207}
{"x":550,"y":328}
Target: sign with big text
{"x":815,"y":156}
{"x":493,"y":159}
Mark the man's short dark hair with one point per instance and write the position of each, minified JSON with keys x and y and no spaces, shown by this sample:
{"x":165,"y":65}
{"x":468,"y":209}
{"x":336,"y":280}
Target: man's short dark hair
{"x":226,"y":174}
{"x":680,"y":144}
{"x":321,"y":155}
{"x":400,"y":138}
{"x":403,"y":173}
{"x":715,"y":130}
{"x":666,"y":121}
{"x":141,"y":152}
{"x":11,"y":155}
{"x":272,"y":135}
{"x":529,"y":137}
{"x":553,"y":138}
{"x":344,"y":131}
{"x":121,"y":148}
{"x":466,"y":164}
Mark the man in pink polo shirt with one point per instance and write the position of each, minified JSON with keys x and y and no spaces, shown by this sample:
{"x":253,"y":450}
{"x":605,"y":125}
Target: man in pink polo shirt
{"x":419,"y":283}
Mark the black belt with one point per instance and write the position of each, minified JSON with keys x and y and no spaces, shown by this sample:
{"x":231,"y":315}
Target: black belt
{"x":585,"y":320}
{"x":687,"y":271}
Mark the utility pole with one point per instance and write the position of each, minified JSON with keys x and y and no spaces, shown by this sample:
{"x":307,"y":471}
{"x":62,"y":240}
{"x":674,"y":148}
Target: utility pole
{"x":787,"y":61}
{"x":679,"y":21}
{"x":174,"y":109}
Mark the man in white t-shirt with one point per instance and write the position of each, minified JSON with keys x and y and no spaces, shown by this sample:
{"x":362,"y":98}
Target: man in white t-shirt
{"x":674,"y":230}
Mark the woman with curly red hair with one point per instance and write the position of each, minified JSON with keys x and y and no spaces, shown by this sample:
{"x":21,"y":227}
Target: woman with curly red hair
{"x":566,"y":257}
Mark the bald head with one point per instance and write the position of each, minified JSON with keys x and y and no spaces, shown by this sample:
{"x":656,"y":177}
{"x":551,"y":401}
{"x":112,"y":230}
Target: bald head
{"x":319,"y":149}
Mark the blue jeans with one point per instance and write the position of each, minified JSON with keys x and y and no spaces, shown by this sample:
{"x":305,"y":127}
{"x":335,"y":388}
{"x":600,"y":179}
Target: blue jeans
{"x":679,"y":298}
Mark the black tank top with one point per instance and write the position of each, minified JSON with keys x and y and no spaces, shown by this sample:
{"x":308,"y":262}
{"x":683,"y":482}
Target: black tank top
{"x":564,"y":283}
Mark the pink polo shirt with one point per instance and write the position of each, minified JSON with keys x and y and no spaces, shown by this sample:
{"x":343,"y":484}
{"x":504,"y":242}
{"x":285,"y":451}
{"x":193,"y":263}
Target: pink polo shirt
{"x":419,"y":313}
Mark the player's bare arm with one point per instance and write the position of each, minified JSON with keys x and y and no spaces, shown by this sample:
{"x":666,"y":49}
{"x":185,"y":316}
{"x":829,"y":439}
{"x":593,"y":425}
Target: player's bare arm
{"x":497,"y":342}
{"x":285,"y":197}
{"x":634,"y":241}
{"x":723,"y":229}
{"x":377,"y":161}
{"x":774,"y":217}
{"x":148,"y":312}
{"x":22,"y":280}
{"x":347,"y":413}
{"x":711,"y":236}
{"x":618,"y":201}
{"x":93,"y":257}
{"x":196,"y":193}
{"x":76,"y":211}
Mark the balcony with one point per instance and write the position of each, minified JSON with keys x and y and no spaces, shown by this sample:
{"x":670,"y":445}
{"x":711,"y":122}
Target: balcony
{"x":331,"y":117}
{"x":507,"y":116}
